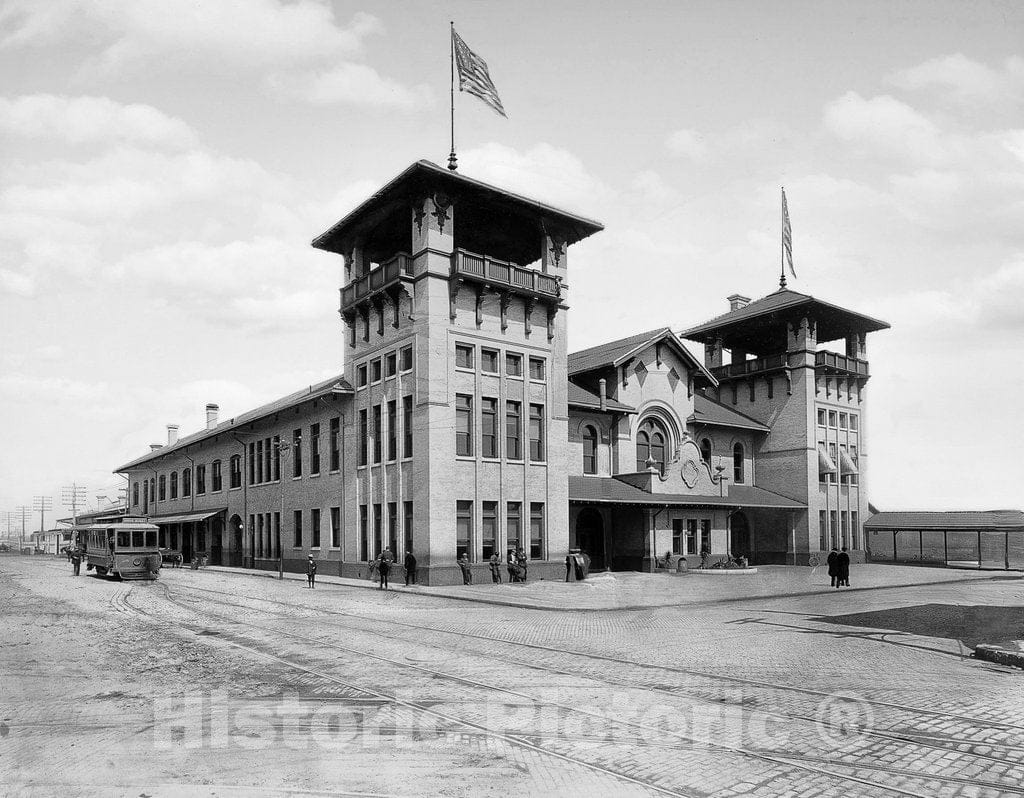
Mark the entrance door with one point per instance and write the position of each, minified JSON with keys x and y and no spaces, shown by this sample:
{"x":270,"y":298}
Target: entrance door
{"x":739,"y":536}
{"x":236,"y":539}
{"x":590,"y":537}
{"x":217,"y":542}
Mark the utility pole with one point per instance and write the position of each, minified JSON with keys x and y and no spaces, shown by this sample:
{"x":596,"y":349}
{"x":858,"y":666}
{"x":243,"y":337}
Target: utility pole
{"x":73,"y":494}
{"x":23,"y":510}
{"x":42,"y":504}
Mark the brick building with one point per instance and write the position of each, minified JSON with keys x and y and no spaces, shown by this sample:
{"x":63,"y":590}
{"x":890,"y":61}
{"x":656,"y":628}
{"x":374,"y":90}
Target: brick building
{"x":461,"y":424}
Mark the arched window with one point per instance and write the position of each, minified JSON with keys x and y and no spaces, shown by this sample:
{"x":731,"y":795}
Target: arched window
{"x":174,"y":484}
{"x":737,"y":463}
{"x":186,"y":482}
{"x":650,"y":445}
{"x":589,"y":450}
{"x":705,"y":450}
{"x":236,"y":471}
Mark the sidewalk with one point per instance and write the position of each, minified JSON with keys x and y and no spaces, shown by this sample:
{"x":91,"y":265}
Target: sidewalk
{"x":631,"y":590}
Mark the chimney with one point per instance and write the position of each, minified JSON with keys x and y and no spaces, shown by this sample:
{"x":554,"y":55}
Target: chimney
{"x":172,"y":434}
{"x":154,"y":446}
{"x":603,"y":383}
{"x":737,"y":301}
{"x":211,"y":416}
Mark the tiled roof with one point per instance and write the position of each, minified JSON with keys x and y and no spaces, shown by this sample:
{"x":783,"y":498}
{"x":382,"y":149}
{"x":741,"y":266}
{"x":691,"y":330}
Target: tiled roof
{"x":783,"y":299}
{"x":708,"y":411}
{"x":614,"y":353}
{"x":332,"y":385}
{"x":609,"y":490}
{"x":581,"y":397}
{"x":959,"y":519}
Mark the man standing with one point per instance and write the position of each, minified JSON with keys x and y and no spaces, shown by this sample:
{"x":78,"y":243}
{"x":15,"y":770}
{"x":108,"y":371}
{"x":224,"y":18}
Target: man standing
{"x":311,"y":571}
{"x":495,"y":562}
{"x":76,"y":559}
{"x":410,"y":568}
{"x":833,"y":566}
{"x":521,"y":562}
{"x":384,"y":566}
{"x":843,"y":568}
{"x":467,"y":574}
{"x":511,"y":565}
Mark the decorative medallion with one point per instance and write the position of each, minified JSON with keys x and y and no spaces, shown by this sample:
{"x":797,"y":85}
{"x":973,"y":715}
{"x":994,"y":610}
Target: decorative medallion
{"x":690,"y":473}
{"x":441,"y":205}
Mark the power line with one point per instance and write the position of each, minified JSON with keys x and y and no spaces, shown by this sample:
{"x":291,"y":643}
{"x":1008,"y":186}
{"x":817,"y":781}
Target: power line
{"x":42,"y":504}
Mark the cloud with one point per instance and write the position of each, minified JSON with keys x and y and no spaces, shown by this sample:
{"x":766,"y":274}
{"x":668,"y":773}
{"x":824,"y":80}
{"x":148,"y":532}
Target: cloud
{"x":79,"y":120}
{"x":964,"y":80}
{"x":16,"y":283}
{"x":886,"y":126}
{"x":351,"y":84}
{"x":687,"y":144}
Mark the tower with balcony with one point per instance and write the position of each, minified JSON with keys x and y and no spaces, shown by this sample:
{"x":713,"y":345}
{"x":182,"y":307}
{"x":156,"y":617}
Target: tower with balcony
{"x":454,"y":312}
{"x":775,"y":361}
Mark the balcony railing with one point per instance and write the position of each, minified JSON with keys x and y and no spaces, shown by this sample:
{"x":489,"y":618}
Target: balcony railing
{"x":755,"y":366}
{"x":376,"y":279}
{"x":834,"y":363}
{"x":516,"y":278}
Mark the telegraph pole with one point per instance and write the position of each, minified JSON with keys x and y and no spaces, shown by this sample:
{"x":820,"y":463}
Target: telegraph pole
{"x":23,"y":510}
{"x":73,"y":494}
{"x":42,"y":504}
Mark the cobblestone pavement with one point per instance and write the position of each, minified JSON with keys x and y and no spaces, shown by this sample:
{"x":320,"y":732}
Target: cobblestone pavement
{"x":207,"y":683}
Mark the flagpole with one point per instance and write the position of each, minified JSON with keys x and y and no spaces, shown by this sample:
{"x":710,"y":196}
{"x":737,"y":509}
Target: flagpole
{"x":453,"y":162}
{"x":782,"y":241}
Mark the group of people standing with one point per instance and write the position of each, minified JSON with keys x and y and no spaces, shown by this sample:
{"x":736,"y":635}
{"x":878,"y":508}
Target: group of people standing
{"x":839,"y":567}
{"x":515,"y":562}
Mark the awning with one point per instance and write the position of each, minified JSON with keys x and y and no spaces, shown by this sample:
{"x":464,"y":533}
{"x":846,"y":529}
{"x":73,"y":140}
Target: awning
{"x":825,"y":464}
{"x":846,"y":463}
{"x":184,"y":518}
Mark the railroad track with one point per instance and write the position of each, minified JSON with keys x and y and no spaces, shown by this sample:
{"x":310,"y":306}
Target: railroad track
{"x":847,"y":772}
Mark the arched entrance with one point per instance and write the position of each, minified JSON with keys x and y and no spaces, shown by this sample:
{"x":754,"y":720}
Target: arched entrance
{"x":217,"y":542}
{"x":739,"y":536}
{"x":590,"y":537}
{"x":235,"y":523}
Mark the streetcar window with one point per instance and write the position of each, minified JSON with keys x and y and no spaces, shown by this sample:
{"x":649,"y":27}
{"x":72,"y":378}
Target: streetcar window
{"x":151,"y":538}
{"x":124,"y":539}
{"x":137,"y":538}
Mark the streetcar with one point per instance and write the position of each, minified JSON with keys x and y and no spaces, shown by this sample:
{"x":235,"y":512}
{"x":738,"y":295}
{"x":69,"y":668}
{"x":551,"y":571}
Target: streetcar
{"x":127,"y":549}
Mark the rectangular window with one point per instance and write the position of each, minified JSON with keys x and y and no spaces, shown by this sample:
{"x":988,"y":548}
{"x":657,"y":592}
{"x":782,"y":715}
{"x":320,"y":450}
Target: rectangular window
{"x":314,"y":528}
{"x":833,"y":526}
{"x":200,"y":480}
{"x":375,"y":370}
{"x":854,"y":422}
{"x":488,"y":427}
{"x":834,"y":455}
{"x":844,"y":528}
{"x":314,"y":448}
{"x":463,"y":356}
{"x":364,"y":552}
{"x":135,"y":493}
{"x":392,"y":431}
{"x":463,"y":527}
{"x":363,"y":437}
{"x":297,"y":453}
{"x":378,"y":528}
{"x":361,"y":376}
{"x":259,"y":535}
{"x":463,"y":425}
{"x":252,"y":463}
{"x":513,"y":430}
{"x":297,"y":529}
{"x":842,"y":421}
{"x":536,"y":530}
{"x":821,"y":418}
{"x":513,"y":523}
{"x":335,"y":444}
{"x":236,"y":471}
{"x":186,"y":482}
{"x":377,"y":431}
{"x":276,"y":459}
{"x":678,"y":539}
{"x":705,"y":534}
{"x":336,"y":527}
{"x":163,"y":487}
{"x":390,"y":364}
{"x":407,"y":426}
{"x":259,"y":462}
{"x":489,"y":361}
{"x":536,"y":368}
{"x":406,"y":361}
{"x":489,"y":529}
{"x":513,"y":365}
{"x":393,"y":527}
{"x":407,"y":526}
{"x":215,"y":476}
{"x":268,"y":457}
{"x":537,"y":433}
{"x":691,"y":536}
{"x":832,"y":418}
{"x":854,"y":530}
{"x":822,"y":530}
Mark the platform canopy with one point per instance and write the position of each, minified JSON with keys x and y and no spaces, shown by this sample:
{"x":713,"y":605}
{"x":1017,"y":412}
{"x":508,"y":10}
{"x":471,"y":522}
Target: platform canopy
{"x":184,"y":518}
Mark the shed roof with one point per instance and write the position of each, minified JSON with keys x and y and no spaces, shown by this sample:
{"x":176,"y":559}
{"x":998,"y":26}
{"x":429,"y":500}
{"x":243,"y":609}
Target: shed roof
{"x":956,"y":519}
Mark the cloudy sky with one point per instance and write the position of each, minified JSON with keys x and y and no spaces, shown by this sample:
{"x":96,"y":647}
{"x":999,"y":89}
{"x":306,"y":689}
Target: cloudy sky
{"x":165,"y":163}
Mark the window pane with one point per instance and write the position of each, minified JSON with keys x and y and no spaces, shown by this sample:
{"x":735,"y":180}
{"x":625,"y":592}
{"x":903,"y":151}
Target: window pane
{"x":536,"y":530}
{"x":463,"y":425}
{"x":463,"y":527}
{"x":513,"y":431}
{"x":489,"y":427}
{"x":514,"y":365}
{"x":537,"y":433}
{"x":489,"y":361}
{"x":463,"y":356}
{"x":536,"y":368}
{"x":513,"y":523}
{"x":489,"y":529}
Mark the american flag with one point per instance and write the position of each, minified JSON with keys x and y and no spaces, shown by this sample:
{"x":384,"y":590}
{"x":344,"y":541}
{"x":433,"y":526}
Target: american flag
{"x":473,"y":75}
{"x":787,"y":235}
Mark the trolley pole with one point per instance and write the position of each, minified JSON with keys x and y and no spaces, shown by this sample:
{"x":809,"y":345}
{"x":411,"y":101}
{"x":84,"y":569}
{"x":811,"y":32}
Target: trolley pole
{"x":42,"y":504}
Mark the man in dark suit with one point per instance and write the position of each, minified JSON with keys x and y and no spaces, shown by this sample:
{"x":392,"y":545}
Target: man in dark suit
{"x":311,"y":571}
{"x":843,"y":568}
{"x":833,"y":572}
{"x":410,"y":569}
